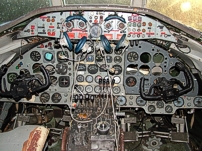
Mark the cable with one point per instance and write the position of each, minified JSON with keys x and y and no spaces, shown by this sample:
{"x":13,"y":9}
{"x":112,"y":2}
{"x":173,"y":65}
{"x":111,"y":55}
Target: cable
{"x":177,"y":46}
{"x":73,"y":85}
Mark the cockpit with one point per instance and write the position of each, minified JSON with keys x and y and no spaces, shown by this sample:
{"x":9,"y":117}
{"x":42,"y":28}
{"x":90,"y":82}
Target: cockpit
{"x":100,"y":78}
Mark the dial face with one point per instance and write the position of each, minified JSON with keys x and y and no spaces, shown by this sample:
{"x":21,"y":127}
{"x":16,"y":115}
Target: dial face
{"x":159,"y":104}
{"x":64,"y":81}
{"x":82,"y":24}
{"x":109,"y":59}
{"x":69,"y":25}
{"x":11,"y":77}
{"x":117,"y":79}
{"x":36,"y":68}
{"x":82,"y":67}
{"x":90,"y":58}
{"x":56,"y":97}
{"x":44,"y":97}
{"x":118,"y":52}
{"x":48,"y":56}
{"x":92,"y":68}
{"x":80,"y":78}
{"x":140,"y":101}
{"x":117,"y":59}
{"x":132,"y":56}
{"x":118,"y":69}
{"x":121,"y":26}
{"x":151,"y":108}
{"x":179,"y":102}
{"x":116,"y":90}
{"x":35,"y":56}
{"x":131,"y":81}
{"x":108,"y":25}
{"x":97,"y":89}
{"x":169,"y":109}
{"x":79,"y":88}
{"x":89,"y":88}
{"x":95,"y":31}
{"x":89,"y":78}
{"x":121,"y":100}
{"x":198,"y":102}
{"x":97,"y":78}
{"x":61,"y":68}
{"x":50,"y":69}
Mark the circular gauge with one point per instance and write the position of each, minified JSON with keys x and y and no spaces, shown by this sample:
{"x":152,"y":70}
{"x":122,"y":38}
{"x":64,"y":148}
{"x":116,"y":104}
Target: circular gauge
{"x":108,"y":26}
{"x":80,"y":78}
{"x":145,"y":57}
{"x":140,"y":101}
{"x":89,"y":88}
{"x":44,"y":97}
{"x":131,"y":81}
{"x":158,"y":58}
{"x":48,"y":56}
{"x":90,"y":58}
{"x":89,"y":78}
{"x":117,"y":79}
{"x":97,"y":89}
{"x":159,"y":104}
{"x":151,"y":108}
{"x":116,"y":90}
{"x":118,"y":52}
{"x":69,"y":25}
{"x":95,"y":31}
{"x":50,"y":69}
{"x":64,"y":81}
{"x":92,"y":68}
{"x":109,"y":59}
{"x":36,"y":68}
{"x":118,"y":69}
{"x":82,"y":24}
{"x":53,"y":80}
{"x":79,"y":88}
{"x":121,"y":100}
{"x":97,"y":78}
{"x":169,"y":109}
{"x":117,"y":59}
{"x":11,"y":77}
{"x":132,"y":56}
{"x":61,"y":68}
{"x":121,"y":26}
{"x":56,"y":97}
{"x":35,"y":55}
{"x":198,"y":102}
{"x":179,"y":102}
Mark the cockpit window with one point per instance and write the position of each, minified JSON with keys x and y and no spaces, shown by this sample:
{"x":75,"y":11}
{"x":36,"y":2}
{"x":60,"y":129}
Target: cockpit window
{"x":187,"y":12}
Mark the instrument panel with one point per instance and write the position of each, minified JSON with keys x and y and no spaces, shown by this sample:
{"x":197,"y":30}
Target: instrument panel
{"x":93,"y":24}
{"x":95,"y":71}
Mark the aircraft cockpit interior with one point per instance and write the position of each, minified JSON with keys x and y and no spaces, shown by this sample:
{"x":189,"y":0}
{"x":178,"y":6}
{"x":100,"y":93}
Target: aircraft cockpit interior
{"x":100,"y":78}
